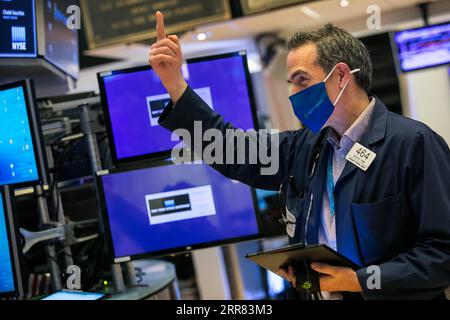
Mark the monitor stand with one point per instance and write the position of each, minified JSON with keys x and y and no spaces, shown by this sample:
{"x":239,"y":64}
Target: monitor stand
{"x":130,"y":274}
{"x":119,"y":283}
{"x":50,"y":250}
{"x":153,"y":280}
{"x":96,"y":166}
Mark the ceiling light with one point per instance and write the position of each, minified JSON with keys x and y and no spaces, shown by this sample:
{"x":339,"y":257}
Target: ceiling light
{"x":310,"y":12}
{"x":201,"y":36}
{"x":345,"y":3}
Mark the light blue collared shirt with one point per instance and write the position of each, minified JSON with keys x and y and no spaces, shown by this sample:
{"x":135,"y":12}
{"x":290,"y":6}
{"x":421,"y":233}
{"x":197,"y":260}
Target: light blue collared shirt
{"x":327,"y":230}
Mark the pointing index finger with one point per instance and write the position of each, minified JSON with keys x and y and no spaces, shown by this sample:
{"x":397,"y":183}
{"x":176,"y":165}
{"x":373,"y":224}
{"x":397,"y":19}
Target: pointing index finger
{"x":160,"y":31}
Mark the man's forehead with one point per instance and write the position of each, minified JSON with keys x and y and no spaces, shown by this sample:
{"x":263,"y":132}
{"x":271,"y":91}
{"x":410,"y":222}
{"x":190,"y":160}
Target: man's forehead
{"x":303,"y":57}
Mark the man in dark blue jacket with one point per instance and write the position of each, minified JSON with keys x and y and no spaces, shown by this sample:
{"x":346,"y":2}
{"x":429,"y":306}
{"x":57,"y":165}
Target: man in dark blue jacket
{"x":373,"y":185}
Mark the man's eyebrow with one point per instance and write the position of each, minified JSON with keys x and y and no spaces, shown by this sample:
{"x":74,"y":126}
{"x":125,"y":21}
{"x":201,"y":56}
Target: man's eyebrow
{"x":296,"y":73}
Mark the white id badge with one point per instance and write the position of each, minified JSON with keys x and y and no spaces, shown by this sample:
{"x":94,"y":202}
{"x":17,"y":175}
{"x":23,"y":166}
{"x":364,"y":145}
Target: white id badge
{"x":361,"y":157}
{"x":290,"y":225}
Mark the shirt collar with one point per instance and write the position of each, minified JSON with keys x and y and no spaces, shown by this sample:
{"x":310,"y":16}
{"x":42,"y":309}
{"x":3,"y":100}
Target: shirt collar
{"x":354,"y":133}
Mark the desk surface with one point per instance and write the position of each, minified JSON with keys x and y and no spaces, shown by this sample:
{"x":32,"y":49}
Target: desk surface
{"x":154,"y":276}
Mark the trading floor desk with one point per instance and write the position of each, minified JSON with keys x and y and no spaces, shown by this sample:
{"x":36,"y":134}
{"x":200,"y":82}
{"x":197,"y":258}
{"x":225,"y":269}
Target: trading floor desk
{"x":156,"y":280}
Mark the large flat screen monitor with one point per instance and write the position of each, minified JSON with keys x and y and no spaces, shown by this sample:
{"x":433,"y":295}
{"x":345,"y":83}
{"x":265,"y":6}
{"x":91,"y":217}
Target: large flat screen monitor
{"x":61,"y":42}
{"x":18,"y":29}
{"x":174,"y":208}
{"x":10,"y":253}
{"x":21,"y":150}
{"x":423,"y":47}
{"x":133,"y":100}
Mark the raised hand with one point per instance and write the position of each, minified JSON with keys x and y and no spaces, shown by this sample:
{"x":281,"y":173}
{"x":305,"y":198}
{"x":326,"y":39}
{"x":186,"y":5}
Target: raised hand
{"x":166,"y":60}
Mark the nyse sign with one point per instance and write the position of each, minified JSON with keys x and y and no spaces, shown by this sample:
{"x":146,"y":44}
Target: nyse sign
{"x":18,"y":37}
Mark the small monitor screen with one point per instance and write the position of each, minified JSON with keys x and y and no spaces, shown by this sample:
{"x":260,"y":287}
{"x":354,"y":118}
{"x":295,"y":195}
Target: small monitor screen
{"x":61,"y":42}
{"x":135,"y":98}
{"x":423,"y":47}
{"x":7,"y":284}
{"x":74,"y":295}
{"x":17,"y":155}
{"x":17,"y":28}
{"x":169,"y":208}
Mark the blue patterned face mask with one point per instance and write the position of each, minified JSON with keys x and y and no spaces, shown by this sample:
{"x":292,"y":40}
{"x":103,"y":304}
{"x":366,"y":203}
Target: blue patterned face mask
{"x":313,"y":106}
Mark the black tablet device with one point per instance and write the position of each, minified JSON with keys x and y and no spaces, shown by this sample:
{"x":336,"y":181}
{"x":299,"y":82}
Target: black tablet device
{"x":297,"y":254}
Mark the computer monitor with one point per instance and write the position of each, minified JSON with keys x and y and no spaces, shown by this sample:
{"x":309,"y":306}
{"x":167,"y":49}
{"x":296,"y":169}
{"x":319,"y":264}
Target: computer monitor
{"x":172,"y":208}
{"x":18,"y":29}
{"x":21,"y":151}
{"x":11,"y":283}
{"x":133,"y":100}
{"x":61,"y":42}
{"x":423,"y":47}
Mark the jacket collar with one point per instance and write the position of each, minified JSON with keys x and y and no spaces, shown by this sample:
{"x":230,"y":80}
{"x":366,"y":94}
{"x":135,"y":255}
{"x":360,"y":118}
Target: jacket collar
{"x":376,"y":131}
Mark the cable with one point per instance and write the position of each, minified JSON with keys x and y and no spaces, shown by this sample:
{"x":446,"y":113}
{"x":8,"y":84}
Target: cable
{"x":105,"y":151}
{"x":105,"y":135}
{"x":55,"y":169}
{"x":308,"y":279}
{"x":99,"y":263}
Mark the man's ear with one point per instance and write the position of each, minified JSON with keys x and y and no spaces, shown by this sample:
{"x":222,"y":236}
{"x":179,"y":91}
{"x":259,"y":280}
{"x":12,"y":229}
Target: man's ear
{"x":343,"y":71}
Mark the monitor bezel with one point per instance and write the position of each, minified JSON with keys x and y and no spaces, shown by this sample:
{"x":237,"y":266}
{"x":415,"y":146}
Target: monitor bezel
{"x":36,"y":132}
{"x":164,"y":154}
{"x":171,"y":251}
{"x":396,"y":51}
{"x":15,"y":250}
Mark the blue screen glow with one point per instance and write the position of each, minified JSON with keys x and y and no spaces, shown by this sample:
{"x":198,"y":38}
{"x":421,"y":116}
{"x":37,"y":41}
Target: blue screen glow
{"x":170,"y":207}
{"x":17,"y":157}
{"x":6,"y":272}
{"x":423,"y":47}
{"x":135,"y":101}
{"x":73,"y":295}
{"x":18,"y":28}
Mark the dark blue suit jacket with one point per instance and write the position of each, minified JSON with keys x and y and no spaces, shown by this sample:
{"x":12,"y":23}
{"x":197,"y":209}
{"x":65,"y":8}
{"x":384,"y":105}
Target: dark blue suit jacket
{"x":395,"y":215}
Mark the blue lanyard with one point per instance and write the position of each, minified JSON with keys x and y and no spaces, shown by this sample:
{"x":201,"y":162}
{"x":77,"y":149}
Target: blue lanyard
{"x":330,"y":183}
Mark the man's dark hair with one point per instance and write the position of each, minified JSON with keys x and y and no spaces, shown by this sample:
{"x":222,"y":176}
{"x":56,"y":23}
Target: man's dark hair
{"x":336,"y":45}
